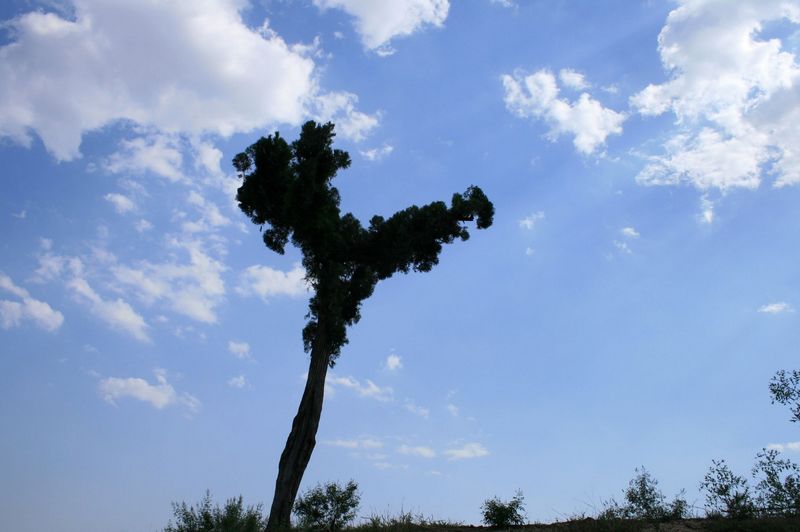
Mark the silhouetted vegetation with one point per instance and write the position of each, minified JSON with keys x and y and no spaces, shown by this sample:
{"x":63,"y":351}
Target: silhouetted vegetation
{"x":502,"y":514}
{"x":643,"y":500}
{"x":327,"y":507}
{"x":205,"y":517}
{"x":287,"y":191}
{"x":727,"y":494}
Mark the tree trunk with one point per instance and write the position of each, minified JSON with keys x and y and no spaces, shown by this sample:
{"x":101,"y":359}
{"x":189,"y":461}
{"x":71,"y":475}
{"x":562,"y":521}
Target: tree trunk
{"x":301,"y":441}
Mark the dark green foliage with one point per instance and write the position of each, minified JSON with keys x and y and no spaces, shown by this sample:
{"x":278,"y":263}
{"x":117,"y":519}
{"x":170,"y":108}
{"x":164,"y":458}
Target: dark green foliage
{"x":778,"y":487}
{"x":785,"y":389}
{"x":501,"y":514}
{"x":287,"y":188}
{"x":327,"y":507}
{"x":727,"y":494}
{"x":643,"y":500}
{"x":233,"y":517}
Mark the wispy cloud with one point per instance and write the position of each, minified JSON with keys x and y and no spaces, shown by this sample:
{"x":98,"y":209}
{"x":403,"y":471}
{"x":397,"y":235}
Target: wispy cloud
{"x":239,"y":349}
{"x":776,"y":308}
{"x":466,"y":451}
{"x":421,"y":451}
{"x":267,"y":283}
{"x":529,"y":222}
{"x":356,"y":443}
{"x":240,"y":381}
{"x":13,"y":313}
{"x":367,"y":389}
{"x":789,"y":446}
{"x":393,"y":362}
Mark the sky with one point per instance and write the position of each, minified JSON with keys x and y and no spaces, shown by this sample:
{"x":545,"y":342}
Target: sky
{"x":637,"y":291}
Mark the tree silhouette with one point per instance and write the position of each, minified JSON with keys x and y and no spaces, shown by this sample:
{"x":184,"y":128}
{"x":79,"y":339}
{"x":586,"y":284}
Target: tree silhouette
{"x":287,"y":187}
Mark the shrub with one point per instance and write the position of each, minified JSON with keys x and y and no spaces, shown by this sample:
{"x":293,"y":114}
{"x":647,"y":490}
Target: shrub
{"x":497,"y":513}
{"x":779,"y":487}
{"x":327,"y":507}
{"x":643,"y":500}
{"x":233,"y":517}
{"x":785,"y":389}
{"x":727,"y":494}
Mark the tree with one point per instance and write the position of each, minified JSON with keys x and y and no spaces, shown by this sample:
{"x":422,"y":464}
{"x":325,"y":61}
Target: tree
{"x":287,"y":187}
{"x":727,"y":494}
{"x":329,"y":507}
{"x":644,"y":500}
{"x":501,"y":514}
{"x":785,"y":389}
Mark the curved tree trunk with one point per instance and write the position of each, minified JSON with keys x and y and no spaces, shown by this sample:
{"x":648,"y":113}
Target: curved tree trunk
{"x":301,"y":441}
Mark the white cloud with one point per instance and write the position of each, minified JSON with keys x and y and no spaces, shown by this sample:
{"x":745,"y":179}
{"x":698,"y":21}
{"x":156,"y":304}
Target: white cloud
{"x":239,"y":382}
{"x":266,"y":282}
{"x":629,"y":232}
{"x":776,"y":308}
{"x":376,"y":154}
{"x":239,"y":349}
{"x":159,"y":395}
{"x":340,"y":108}
{"x":469,"y":450}
{"x":143,"y":225}
{"x":421,"y":451}
{"x":536,"y":96}
{"x":368,"y":389}
{"x":117,"y":313}
{"x":573,"y":79}
{"x":453,"y":409}
{"x":418,"y":410}
{"x":193,"y":289}
{"x":734,"y":94}
{"x":359,"y":443}
{"x":201,"y":70}
{"x":781,"y":447}
{"x":12,"y":313}
{"x":122,"y":204}
{"x":158,"y":154}
{"x":529,"y":222}
{"x":393,"y":362}
{"x":623,"y":247}
{"x":379,"y":22}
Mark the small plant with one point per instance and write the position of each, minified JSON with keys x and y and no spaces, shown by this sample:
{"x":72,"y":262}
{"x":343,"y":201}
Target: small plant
{"x":327,"y":507}
{"x":727,"y":494}
{"x":233,"y":517}
{"x":643,"y":500}
{"x":779,"y":487}
{"x":497,"y":513}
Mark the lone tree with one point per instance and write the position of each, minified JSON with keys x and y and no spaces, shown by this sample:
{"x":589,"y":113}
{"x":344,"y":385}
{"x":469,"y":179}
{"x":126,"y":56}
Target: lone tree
{"x":287,"y":187}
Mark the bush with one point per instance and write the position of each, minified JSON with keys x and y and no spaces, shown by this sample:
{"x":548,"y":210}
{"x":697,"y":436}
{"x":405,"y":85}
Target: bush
{"x":779,"y":487}
{"x":497,"y":513}
{"x":643,"y":500}
{"x":727,"y":494}
{"x":785,"y":389}
{"x":327,"y":507}
{"x":233,"y":517}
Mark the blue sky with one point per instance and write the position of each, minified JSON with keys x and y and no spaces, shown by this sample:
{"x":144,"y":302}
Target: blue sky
{"x":628,"y":307}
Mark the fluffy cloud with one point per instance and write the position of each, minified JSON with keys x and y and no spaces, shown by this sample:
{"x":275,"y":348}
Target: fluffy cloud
{"x":379,"y":22}
{"x":376,"y":154}
{"x":12,"y":313}
{"x":573,"y":79}
{"x":239,"y":382}
{"x":468,"y":450}
{"x":122,"y":204}
{"x":157,"y":154}
{"x":629,"y":232}
{"x":201,"y":70}
{"x":368,"y":389}
{"x":421,"y":451}
{"x":734,"y":94}
{"x":393,"y":362}
{"x":776,"y":308}
{"x":193,"y":289}
{"x":158,"y":395}
{"x":529,"y":222}
{"x":536,"y":96}
{"x":117,"y":312}
{"x":266,"y":283}
{"x":781,"y":447}
{"x":239,"y":349}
